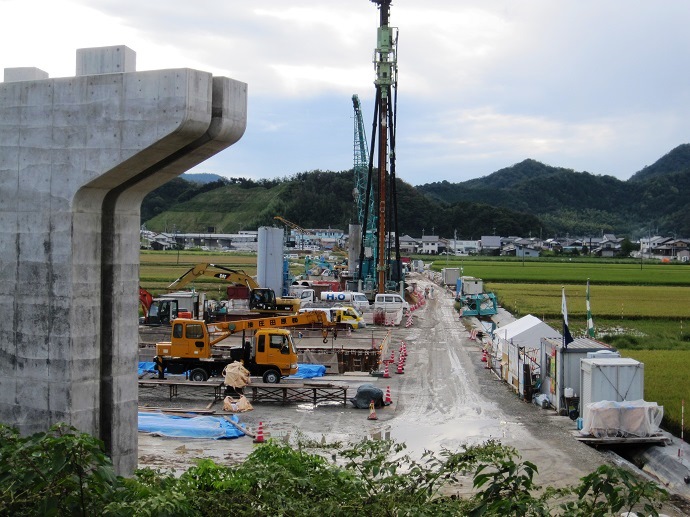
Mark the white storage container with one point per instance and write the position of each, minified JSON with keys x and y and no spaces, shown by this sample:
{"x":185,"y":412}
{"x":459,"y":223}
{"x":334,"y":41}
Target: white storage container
{"x":450,"y":275}
{"x":615,"y":379}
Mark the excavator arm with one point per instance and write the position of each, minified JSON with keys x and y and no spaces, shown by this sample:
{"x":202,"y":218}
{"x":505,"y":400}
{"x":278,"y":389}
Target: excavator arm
{"x":261,"y":298}
{"x":205,"y":269}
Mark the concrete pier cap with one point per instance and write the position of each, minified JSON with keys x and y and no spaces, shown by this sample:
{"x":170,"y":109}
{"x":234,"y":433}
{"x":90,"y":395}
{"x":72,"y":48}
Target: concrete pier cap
{"x":77,"y":156}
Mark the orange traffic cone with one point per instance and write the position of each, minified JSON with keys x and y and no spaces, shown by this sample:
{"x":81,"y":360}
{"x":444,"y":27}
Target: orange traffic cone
{"x":372,"y":412}
{"x":400,"y":367}
{"x":388,"y":399}
{"x":386,"y":373}
{"x":392,"y":360}
{"x":260,"y":434}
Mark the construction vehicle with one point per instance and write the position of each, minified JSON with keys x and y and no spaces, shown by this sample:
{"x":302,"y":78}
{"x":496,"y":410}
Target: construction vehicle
{"x":309,"y":297}
{"x":261,"y":299}
{"x":343,"y":317}
{"x":269,"y":352}
{"x":163,"y":309}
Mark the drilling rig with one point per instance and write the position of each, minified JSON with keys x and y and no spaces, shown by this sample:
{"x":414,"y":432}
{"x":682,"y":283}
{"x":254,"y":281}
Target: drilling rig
{"x":388,"y":264}
{"x":363,"y":193}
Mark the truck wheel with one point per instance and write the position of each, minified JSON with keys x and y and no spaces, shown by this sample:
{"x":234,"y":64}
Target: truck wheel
{"x":272,"y":377}
{"x":198,"y":375}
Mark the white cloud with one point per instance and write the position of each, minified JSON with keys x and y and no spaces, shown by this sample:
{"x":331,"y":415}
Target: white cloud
{"x":587,"y":84}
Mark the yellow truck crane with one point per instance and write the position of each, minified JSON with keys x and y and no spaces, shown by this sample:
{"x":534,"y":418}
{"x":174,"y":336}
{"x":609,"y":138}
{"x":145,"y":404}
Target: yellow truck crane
{"x":269,"y":352}
{"x":261,"y":299}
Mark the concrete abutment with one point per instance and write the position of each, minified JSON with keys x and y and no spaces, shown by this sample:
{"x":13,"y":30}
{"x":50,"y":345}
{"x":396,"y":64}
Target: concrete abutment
{"x":77,"y":157}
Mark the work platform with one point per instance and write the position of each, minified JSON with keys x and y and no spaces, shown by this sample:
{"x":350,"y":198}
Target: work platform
{"x":286,"y":392}
{"x":658,"y":439}
{"x":173,"y":386}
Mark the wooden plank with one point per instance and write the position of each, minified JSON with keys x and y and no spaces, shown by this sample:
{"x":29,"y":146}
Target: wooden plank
{"x":176,"y":411}
{"x":174,"y":385}
{"x":240,"y":428}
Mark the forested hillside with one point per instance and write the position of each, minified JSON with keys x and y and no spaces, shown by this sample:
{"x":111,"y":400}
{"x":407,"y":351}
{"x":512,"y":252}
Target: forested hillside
{"x":316,"y":199}
{"x":581,"y":203}
{"x":528,"y":197}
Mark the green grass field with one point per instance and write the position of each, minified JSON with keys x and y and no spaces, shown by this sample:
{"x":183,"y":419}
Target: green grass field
{"x":642,"y":311}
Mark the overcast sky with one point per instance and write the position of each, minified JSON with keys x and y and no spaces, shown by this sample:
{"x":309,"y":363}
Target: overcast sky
{"x":591,"y":85}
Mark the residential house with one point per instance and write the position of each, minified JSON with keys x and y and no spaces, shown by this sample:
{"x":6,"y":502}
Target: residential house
{"x":430,"y":244}
{"x":490,"y":244}
{"x":409,"y":244}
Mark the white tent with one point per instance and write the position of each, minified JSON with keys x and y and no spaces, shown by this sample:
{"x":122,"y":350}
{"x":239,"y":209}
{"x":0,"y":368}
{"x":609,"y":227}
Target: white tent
{"x":519,"y":343}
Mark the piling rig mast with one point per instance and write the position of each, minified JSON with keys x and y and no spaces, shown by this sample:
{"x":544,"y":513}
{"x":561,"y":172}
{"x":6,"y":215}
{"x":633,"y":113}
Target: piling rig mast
{"x":364,"y":195}
{"x":388,"y":269}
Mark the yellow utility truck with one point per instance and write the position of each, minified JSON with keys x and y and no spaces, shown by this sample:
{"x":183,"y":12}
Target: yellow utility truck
{"x":268,"y":351}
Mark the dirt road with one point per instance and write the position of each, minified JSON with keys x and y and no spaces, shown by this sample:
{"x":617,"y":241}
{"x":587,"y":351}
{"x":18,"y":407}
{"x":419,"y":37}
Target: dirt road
{"x":445,"y":398}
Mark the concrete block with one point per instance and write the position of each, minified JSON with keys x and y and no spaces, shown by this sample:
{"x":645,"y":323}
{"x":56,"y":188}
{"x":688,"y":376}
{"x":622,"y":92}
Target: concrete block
{"x":27,"y":73}
{"x":106,"y":60}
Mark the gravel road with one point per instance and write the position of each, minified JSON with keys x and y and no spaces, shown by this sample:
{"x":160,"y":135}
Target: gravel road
{"x":445,"y":398}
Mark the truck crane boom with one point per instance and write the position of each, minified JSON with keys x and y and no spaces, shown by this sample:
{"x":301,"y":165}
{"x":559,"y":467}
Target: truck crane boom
{"x":227,"y":328}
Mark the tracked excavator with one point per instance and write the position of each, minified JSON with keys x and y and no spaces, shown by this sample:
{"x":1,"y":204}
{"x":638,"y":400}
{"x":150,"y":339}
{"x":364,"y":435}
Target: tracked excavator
{"x":261,"y":299}
{"x":164,"y":309}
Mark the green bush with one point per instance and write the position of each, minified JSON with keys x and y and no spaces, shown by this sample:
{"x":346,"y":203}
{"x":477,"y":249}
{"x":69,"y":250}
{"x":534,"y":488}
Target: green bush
{"x":63,"y":472}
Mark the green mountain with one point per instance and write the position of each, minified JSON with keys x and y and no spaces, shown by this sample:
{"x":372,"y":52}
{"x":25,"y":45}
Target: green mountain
{"x":528,"y":197}
{"x":202,"y":177}
{"x":317,"y":199}
{"x":581,"y":203}
{"x":678,"y":160}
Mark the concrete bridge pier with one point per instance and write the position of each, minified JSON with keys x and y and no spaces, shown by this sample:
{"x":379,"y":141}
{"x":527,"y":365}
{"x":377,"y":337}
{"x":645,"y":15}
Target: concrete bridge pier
{"x":77,"y":156}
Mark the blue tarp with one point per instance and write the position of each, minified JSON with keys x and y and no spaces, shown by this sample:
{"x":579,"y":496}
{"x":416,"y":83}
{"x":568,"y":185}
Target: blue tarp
{"x":309,"y":371}
{"x":304,"y":371}
{"x":146,"y":367}
{"x":180,"y":427}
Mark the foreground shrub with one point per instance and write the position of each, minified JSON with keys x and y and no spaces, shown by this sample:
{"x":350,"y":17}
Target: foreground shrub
{"x":64,"y":472}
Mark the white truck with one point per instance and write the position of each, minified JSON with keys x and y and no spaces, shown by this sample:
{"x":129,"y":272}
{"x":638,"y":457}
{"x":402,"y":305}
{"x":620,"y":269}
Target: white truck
{"x":357,"y":300}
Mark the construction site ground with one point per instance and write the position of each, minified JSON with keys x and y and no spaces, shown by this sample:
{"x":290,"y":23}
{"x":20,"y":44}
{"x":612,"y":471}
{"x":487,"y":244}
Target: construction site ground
{"x":445,"y":398}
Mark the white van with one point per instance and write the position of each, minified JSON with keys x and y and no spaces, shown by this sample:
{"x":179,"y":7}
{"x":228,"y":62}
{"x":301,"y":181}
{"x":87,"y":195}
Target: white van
{"x":390,"y":302}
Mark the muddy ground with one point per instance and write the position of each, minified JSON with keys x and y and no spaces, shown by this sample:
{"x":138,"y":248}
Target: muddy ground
{"x":445,"y":398}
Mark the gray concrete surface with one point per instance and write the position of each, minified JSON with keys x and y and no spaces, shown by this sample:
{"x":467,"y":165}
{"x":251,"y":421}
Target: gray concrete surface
{"x":77,"y":156}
